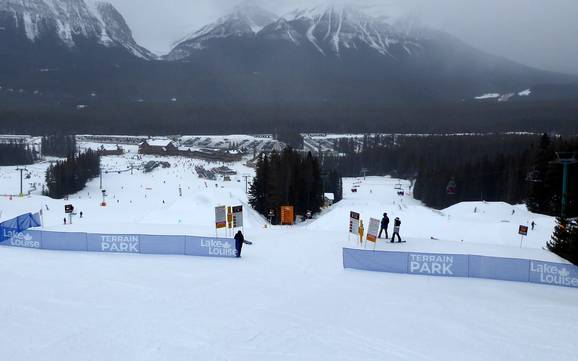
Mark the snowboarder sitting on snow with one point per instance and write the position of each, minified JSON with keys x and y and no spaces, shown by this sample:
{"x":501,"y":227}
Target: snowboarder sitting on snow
{"x":239,"y":241}
{"x":396,"y":225}
{"x":384,"y":225}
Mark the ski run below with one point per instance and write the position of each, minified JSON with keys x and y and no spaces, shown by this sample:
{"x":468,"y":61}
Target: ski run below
{"x":288,"y":298}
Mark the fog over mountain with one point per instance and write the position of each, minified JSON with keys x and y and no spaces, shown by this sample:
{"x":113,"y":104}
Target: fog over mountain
{"x":536,"y":33}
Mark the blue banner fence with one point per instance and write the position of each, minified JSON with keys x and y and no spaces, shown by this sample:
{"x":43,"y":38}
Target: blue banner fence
{"x":119,"y":243}
{"x":460,"y":265}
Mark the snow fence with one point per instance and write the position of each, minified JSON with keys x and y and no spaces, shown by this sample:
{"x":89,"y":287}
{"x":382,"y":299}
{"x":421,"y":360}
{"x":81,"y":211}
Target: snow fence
{"x":121,"y":243}
{"x":460,"y":265}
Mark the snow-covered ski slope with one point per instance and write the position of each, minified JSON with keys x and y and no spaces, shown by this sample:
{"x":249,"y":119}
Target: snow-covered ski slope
{"x":288,"y":298}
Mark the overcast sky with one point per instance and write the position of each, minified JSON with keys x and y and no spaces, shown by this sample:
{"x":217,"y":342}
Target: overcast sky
{"x":541,"y":33}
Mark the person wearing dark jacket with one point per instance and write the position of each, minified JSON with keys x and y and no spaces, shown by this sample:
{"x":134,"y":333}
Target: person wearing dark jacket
{"x":384,"y":226}
{"x":396,"y":226}
{"x":239,"y":241}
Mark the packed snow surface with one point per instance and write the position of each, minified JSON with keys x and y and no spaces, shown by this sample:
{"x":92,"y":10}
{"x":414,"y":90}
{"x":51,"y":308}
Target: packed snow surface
{"x":288,"y":298}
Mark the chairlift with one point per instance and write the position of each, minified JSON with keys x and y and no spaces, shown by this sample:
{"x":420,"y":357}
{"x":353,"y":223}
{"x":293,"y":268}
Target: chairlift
{"x":452,"y":188}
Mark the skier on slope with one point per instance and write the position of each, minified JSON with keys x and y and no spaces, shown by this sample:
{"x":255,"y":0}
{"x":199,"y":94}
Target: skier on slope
{"x":239,"y":241}
{"x":396,"y":226}
{"x":384,"y":226}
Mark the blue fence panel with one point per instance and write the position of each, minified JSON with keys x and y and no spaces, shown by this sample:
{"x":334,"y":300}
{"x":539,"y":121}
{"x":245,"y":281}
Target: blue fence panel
{"x":11,"y":223}
{"x":29,"y":220}
{"x":113,"y":243}
{"x":393,"y":262}
{"x":150,"y":244}
{"x":557,"y":274}
{"x":64,"y":241}
{"x":210,"y":247}
{"x":494,"y":268}
{"x":446,"y":265}
{"x":24,"y":239}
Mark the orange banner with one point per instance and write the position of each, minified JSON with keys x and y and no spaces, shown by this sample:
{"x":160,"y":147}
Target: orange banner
{"x":287,"y":215}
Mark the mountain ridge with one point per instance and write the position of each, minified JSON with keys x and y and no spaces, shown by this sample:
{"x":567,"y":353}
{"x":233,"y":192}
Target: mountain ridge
{"x":72,"y":49}
{"x":68,"y":22}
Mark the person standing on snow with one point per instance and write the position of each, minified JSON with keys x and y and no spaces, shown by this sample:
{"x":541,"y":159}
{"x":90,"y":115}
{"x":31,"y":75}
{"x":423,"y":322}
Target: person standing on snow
{"x":239,"y":241}
{"x":384,"y":226}
{"x":396,"y":226}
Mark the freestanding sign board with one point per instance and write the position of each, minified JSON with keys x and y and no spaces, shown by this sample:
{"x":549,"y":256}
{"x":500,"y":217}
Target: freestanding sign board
{"x":238,"y":217}
{"x":287,"y":215}
{"x":523,"y":231}
{"x":354,"y":222}
{"x":220,"y":217}
{"x":229,"y":217}
{"x":373,"y":230}
{"x":68,"y":209}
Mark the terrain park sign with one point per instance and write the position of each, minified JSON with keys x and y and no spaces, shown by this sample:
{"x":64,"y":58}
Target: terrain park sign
{"x":354,"y":222}
{"x":523,"y":231}
{"x":237,"y":216}
{"x":373,"y":230}
{"x":220,"y":217}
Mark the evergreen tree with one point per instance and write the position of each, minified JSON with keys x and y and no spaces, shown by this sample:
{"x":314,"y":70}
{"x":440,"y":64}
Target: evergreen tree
{"x":257,"y":192}
{"x":70,"y":176}
{"x":15,"y":154}
{"x":538,"y":195}
{"x":287,"y":179}
{"x":62,"y":146}
{"x":564,"y":241}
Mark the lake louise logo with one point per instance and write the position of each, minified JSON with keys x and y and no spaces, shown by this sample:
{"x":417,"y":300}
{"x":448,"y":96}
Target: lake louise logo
{"x":125,"y":244}
{"x":431,"y":264}
{"x":553,"y":274}
{"x":20,"y":239}
{"x":219,"y":248}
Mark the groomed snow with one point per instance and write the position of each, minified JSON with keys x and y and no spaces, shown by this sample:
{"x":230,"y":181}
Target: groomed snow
{"x":288,"y":298}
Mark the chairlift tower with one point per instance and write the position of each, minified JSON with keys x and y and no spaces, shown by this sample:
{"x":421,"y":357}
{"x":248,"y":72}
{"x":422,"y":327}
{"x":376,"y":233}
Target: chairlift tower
{"x":566,"y":159}
{"x":246,"y":182}
{"x":103,"y":204}
{"x":21,"y":170}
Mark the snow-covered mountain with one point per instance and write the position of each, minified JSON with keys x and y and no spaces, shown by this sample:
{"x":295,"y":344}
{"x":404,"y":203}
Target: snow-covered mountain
{"x":329,"y":53}
{"x":344,"y":51}
{"x":332,"y":28}
{"x":245,"y":21}
{"x":328,"y":28}
{"x":68,"y":23}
